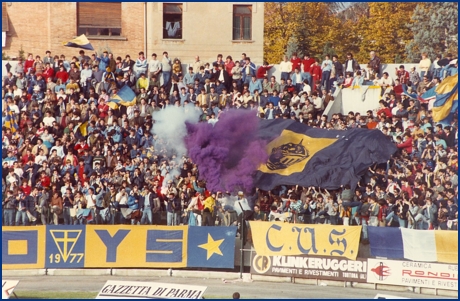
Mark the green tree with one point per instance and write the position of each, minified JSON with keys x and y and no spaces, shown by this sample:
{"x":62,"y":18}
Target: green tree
{"x":435,"y":27}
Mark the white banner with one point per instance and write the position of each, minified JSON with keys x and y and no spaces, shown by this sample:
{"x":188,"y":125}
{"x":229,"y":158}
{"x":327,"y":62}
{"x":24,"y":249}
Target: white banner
{"x":149,"y":290}
{"x":413,"y":273}
{"x":8,"y":287}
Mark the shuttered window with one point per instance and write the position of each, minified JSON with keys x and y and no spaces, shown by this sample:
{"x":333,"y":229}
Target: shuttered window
{"x":99,"y":18}
{"x":242,"y":22}
{"x":5,"y":25}
{"x":172,"y":20}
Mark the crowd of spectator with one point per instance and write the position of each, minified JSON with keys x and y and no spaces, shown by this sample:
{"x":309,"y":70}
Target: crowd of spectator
{"x":113,"y":170}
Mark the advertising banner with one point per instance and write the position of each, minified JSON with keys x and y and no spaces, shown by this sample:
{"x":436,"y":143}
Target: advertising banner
{"x":281,"y":239}
{"x":310,"y":267}
{"x":413,"y":273}
{"x":103,"y":246}
{"x":8,"y":287}
{"x":149,"y":290}
{"x":23,"y":248}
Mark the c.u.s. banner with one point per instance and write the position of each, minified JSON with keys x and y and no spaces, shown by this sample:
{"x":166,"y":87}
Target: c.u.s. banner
{"x":281,"y":239}
{"x":98,"y":246}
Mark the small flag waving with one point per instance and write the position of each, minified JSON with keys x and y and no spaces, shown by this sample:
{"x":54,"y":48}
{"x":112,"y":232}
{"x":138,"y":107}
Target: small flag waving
{"x":446,"y":98}
{"x":79,"y":42}
{"x":124,"y":97}
{"x":10,"y":121}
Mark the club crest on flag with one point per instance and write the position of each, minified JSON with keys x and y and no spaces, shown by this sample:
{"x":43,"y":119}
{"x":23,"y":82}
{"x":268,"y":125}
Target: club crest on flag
{"x":290,"y":152}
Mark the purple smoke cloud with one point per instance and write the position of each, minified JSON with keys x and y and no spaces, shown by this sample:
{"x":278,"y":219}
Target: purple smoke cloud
{"x":228,"y":153}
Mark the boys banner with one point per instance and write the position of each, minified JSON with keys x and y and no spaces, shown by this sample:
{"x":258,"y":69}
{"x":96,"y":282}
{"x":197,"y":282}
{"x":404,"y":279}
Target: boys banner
{"x":281,"y":239}
{"x":413,"y":273}
{"x":102,"y":246}
{"x":418,"y":245}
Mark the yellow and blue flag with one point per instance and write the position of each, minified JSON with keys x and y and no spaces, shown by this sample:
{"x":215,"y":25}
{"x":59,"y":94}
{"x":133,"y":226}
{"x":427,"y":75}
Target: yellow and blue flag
{"x":10,"y":121}
{"x":211,"y":247}
{"x":446,"y":98}
{"x":79,"y":42}
{"x":416,"y":245}
{"x":307,"y":156}
{"x":125,"y":97}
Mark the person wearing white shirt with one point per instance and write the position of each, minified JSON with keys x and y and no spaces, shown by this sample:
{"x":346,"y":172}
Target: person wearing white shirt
{"x":317,"y":102}
{"x":386,"y":82}
{"x":59,"y":148}
{"x":48,"y":120}
{"x":197,"y":64}
{"x":243,"y":202}
{"x":40,"y":158}
{"x":13,"y":107}
{"x":91,"y":199}
{"x":285,"y":68}
{"x":193,"y":207}
{"x":154,"y":65}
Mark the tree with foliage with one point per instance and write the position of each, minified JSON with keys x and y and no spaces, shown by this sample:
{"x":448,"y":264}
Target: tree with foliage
{"x":435,"y":27}
{"x":385,"y":31}
{"x":277,"y":31}
{"x":301,"y":27}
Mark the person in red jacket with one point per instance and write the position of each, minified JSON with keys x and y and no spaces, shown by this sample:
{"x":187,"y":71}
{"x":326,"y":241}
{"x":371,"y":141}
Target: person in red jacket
{"x":48,"y":72}
{"x":315,"y":73}
{"x":406,"y":144}
{"x":402,"y":74}
{"x":307,"y":63}
{"x":262,"y":71}
{"x":29,"y":64}
{"x":398,"y":89}
{"x":62,"y":74}
{"x":81,"y":146}
{"x":295,"y":61}
{"x":45,"y":181}
{"x":383,"y":109}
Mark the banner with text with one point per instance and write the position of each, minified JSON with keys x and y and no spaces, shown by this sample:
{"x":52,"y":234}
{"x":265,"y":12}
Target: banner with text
{"x":413,"y":273}
{"x":310,"y":267}
{"x":102,"y":246}
{"x":149,"y":290}
{"x":278,"y":239}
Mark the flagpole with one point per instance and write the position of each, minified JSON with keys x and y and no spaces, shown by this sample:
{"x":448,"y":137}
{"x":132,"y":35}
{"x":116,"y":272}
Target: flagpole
{"x":242,"y":242}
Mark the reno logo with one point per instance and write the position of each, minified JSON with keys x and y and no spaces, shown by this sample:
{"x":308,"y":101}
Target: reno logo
{"x":381,"y":271}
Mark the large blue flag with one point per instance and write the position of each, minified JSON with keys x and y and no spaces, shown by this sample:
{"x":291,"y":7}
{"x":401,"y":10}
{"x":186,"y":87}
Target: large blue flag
{"x":211,"y":247}
{"x":307,"y":156}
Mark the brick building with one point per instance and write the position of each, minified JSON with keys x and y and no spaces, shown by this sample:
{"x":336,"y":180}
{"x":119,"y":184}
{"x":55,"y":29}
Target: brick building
{"x":183,"y":29}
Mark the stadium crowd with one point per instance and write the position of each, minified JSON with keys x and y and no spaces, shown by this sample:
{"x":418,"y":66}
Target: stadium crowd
{"x":113,"y":171}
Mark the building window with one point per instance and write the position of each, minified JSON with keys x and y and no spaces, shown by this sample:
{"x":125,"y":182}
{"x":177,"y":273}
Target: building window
{"x":172,"y":21}
{"x":99,"y":18}
{"x":242,"y":22}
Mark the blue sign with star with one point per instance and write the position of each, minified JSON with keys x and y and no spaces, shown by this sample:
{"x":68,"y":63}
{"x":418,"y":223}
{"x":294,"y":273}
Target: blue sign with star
{"x":211,"y":247}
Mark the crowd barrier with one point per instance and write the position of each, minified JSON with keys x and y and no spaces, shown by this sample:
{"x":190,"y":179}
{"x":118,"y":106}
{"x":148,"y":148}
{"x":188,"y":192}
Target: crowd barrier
{"x":298,"y":251}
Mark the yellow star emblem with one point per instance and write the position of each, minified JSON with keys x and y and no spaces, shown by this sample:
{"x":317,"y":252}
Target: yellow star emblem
{"x":212,"y":246}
